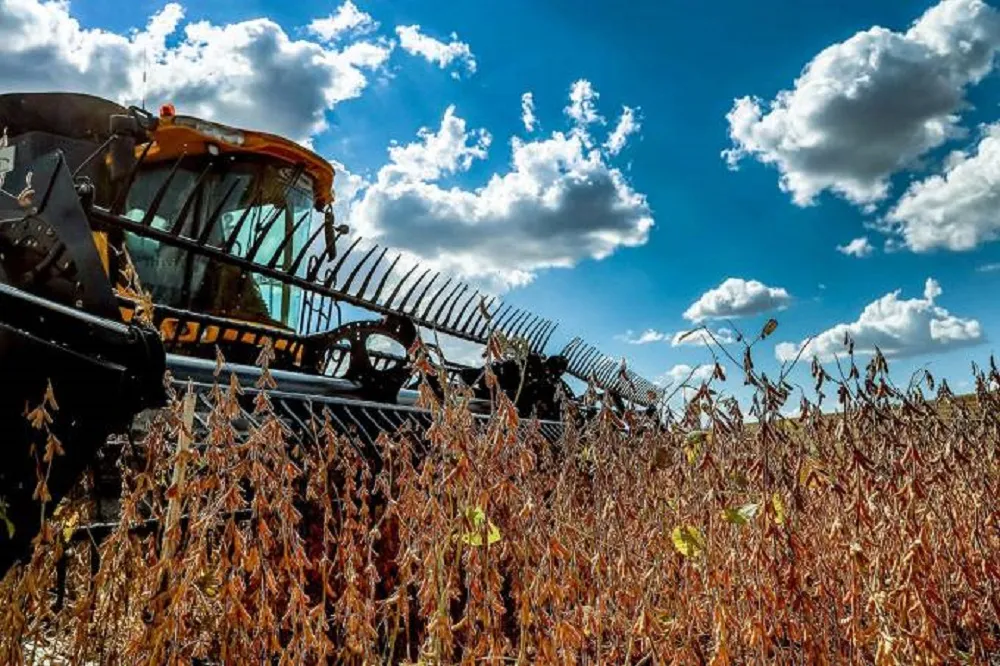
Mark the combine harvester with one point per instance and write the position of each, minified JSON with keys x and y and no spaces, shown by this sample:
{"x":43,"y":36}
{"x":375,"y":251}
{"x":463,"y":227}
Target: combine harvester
{"x":231,"y":232}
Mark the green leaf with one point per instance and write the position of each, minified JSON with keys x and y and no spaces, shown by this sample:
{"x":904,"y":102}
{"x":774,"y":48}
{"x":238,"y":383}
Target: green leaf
{"x":741,"y":515}
{"x":688,"y":541}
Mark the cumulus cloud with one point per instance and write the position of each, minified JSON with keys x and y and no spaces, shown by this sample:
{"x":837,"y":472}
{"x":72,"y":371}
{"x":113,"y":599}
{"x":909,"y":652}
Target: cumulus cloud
{"x":737,"y":297}
{"x":627,"y":125}
{"x":649,"y":336}
{"x":528,"y":111}
{"x":957,"y":210}
{"x":558,"y":203}
{"x":346,"y":20}
{"x":870,"y":106}
{"x":701,"y":338}
{"x":899,"y":327}
{"x":250,"y":73}
{"x":859,"y":247}
{"x":442,"y":54}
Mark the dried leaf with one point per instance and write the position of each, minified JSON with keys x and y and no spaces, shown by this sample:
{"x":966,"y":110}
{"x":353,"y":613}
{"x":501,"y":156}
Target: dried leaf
{"x":3,"y":516}
{"x":769,"y":328}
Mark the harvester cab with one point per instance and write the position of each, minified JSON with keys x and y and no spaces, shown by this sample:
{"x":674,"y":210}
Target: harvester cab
{"x":134,"y":244}
{"x":256,"y":192}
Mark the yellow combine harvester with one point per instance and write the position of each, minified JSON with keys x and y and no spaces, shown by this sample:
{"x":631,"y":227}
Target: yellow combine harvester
{"x":231,"y":234}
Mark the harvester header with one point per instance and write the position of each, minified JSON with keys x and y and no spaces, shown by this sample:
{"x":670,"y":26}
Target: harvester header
{"x":134,"y":249}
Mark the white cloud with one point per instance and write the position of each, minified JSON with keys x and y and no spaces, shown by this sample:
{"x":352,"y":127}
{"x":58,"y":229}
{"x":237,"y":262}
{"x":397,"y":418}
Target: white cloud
{"x":701,"y":338}
{"x":737,"y":297}
{"x":250,"y":74}
{"x":988,"y":268}
{"x":582,"y":106}
{"x":867,"y":107}
{"x":627,"y":125}
{"x":438,"y":153}
{"x":346,"y":20}
{"x":649,"y":336}
{"x":859,"y":247}
{"x":957,"y":210}
{"x":693,"y":376}
{"x":558,"y":204}
{"x":442,"y":54}
{"x":898,"y":327}
{"x":528,"y":112}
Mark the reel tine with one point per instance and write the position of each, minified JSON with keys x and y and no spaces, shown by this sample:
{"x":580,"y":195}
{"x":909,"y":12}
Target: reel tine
{"x":161,"y":192}
{"x":175,"y":230}
{"x":294,"y":268}
{"x":452,"y":298}
{"x":399,"y":285}
{"x":590,"y":361}
{"x":575,"y":352}
{"x":433,"y":300}
{"x":288,"y":239}
{"x":458,"y":317}
{"x":504,"y":324}
{"x":402,"y":306}
{"x":263,"y":231}
{"x":477,"y":316}
{"x":357,"y":267}
{"x":254,"y":204}
{"x":385,"y":277}
{"x":515,"y":326}
{"x":500,"y":313}
{"x":534,"y":332}
{"x":276,"y":214}
{"x":216,"y":215}
{"x":608,"y":374}
{"x":567,"y":351}
{"x":451,"y":310}
{"x":332,"y":275}
{"x":368,"y":277}
{"x":548,"y":335}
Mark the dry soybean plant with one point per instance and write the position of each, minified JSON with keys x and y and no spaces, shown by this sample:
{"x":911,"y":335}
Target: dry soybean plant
{"x":869,"y":536}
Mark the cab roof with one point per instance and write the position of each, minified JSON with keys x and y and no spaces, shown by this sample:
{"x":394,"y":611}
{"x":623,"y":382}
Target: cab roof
{"x":177,"y":135}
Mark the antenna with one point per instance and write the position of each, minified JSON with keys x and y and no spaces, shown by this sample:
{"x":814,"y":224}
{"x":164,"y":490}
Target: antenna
{"x":145,"y":68}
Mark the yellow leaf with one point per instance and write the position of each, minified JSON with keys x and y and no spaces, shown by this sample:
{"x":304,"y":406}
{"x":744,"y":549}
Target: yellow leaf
{"x":688,"y":541}
{"x":69,"y":526}
{"x":693,"y":444}
{"x":779,"y":508}
{"x":474,"y":537}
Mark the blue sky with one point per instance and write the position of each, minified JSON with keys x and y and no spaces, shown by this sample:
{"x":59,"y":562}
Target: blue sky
{"x":680,"y":66}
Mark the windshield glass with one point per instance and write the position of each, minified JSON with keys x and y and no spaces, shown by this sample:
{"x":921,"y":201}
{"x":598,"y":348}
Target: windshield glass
{"x":264,"y":218}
